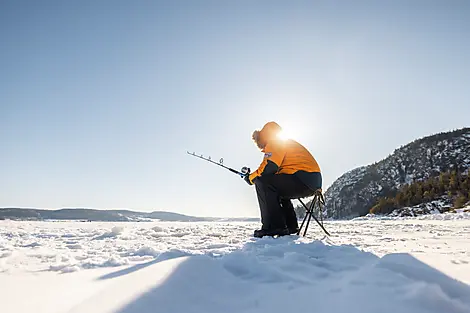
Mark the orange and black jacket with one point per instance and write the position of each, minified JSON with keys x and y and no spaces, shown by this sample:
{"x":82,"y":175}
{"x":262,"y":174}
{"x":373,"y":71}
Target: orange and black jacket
{"x":285,"y":157}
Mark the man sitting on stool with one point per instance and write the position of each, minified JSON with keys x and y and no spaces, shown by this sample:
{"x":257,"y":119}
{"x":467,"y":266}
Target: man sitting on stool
{"x":288,"y":171}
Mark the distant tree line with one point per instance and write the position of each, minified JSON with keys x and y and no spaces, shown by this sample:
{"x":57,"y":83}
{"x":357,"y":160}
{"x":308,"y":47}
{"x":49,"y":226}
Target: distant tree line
{"x":441,"y":136}
{"x":455,"y":185}
{"x":299,"y":211}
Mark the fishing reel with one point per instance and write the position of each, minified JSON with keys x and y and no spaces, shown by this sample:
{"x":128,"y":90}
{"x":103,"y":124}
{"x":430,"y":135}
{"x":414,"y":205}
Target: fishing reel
{"x":245,"y":170}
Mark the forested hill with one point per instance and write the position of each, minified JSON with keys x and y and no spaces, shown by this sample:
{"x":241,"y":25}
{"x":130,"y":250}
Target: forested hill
{"x":356,"y":192}
{"x":449,"y":190}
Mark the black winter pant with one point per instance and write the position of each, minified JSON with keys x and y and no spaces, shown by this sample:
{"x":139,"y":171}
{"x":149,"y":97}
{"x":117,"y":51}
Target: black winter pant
{"x":274,"y":193}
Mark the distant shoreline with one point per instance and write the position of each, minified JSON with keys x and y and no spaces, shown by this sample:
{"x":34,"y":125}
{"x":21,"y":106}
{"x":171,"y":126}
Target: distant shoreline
{"x":97,"y":215}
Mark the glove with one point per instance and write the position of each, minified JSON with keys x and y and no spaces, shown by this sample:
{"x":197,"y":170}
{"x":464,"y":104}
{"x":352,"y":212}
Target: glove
{"x":246,"y":171}
{"x":247,"y":179}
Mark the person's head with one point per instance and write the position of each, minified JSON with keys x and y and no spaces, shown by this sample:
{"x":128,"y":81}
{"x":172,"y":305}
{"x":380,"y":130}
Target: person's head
{"x":269,"y":131}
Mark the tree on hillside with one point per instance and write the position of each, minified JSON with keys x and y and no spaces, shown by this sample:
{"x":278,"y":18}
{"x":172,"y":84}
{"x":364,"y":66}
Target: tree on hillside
{"x":460,"y":201}
{"x":453,"y":182}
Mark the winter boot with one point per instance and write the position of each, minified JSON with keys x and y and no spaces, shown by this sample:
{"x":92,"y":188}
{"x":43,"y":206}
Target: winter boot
{"x":259,"y":233}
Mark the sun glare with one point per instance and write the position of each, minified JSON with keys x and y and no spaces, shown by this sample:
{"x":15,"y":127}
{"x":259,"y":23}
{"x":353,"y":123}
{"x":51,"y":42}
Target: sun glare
{"x":285,"y":134}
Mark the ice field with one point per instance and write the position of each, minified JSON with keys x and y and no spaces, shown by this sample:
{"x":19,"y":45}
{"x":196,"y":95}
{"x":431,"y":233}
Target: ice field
{"x":367,"y":265}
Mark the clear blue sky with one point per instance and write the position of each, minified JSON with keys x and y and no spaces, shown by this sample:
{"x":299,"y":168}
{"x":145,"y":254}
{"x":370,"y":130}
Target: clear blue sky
{"x":99,"y":100}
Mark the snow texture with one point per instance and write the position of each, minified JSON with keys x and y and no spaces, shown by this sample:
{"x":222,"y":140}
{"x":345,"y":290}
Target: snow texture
{"x":368,"y":265}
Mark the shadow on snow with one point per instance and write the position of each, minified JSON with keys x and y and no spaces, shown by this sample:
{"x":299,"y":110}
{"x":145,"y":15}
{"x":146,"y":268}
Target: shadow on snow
{"x":286,"y":274}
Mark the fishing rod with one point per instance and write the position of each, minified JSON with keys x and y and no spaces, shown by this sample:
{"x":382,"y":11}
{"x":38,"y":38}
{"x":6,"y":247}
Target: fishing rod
{"x":245,"y":170}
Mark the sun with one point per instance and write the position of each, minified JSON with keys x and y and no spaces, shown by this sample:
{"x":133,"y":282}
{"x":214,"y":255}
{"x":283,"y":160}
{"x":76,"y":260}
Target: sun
{"x":286,"y":134}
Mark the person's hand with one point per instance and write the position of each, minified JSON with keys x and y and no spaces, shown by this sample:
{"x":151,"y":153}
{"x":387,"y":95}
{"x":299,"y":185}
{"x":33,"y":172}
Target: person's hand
{"x":247,"y":179}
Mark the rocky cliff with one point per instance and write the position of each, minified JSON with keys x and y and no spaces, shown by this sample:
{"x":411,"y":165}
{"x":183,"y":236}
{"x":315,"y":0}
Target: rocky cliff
{"x":355,"y":192}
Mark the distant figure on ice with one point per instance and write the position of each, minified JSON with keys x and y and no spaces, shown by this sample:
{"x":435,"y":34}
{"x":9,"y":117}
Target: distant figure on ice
{"x":287,"y":171}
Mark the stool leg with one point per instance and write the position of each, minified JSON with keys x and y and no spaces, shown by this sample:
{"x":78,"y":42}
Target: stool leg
{"x":312,"y":206}
{"x":309,"y":214}
{"x":321,"y":224}
{"x":305,"y":217}
{"x":321,"y":204}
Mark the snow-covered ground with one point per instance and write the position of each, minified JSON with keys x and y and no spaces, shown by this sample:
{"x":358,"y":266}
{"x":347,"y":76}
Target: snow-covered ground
{"x":367,"y":265}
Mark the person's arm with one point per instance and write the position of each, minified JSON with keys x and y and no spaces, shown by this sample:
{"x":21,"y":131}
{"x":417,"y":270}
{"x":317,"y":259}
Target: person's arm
{"x":273,"y":156}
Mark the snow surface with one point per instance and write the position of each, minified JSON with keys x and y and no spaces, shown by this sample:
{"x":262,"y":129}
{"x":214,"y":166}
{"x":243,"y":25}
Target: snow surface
{"x":367,"y":265}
